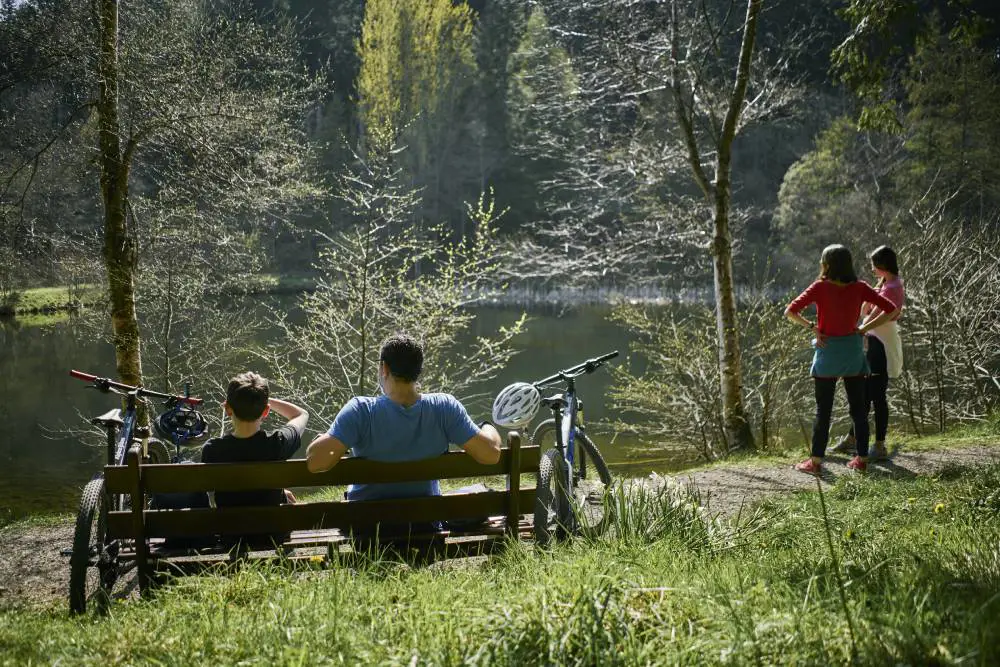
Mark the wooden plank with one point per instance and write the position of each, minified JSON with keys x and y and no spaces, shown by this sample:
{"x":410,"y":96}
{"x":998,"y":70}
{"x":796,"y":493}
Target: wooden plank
{"x":514,"y":482}
{"x":307,"y":516}
{"x":531,"y":457}
{"x":117,"y":479}
{"x":282,"y":474}
{"x":134,"y":459}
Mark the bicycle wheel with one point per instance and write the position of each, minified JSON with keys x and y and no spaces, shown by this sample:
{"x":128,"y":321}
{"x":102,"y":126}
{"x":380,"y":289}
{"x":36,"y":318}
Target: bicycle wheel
{"x":157,"y":451}
{"x":590,"y":508}
{"x":92,"y":565}
{"x":551,"y":502}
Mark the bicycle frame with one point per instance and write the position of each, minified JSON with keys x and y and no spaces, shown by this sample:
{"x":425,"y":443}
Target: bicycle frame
{"x":92,"y":549}
{"x":120,"y":438}
{"x":565,"y":411}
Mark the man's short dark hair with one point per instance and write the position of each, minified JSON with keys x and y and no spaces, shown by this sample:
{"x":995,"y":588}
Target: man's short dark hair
{"x":404,"y":356}
{"x":247,"y":396}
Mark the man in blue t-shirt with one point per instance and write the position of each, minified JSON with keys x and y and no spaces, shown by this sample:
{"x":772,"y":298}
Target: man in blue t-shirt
{"x":401,"y":425}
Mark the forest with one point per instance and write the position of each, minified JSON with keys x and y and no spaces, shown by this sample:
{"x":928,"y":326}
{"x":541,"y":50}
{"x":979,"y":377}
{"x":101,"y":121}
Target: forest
{"x":406,"y":160}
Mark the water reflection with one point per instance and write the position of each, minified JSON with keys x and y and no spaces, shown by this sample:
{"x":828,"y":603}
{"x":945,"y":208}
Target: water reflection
{"x":45,"y":458}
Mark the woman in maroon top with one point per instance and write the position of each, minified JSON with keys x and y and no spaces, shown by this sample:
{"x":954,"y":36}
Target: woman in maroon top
{"x":838,"y":296}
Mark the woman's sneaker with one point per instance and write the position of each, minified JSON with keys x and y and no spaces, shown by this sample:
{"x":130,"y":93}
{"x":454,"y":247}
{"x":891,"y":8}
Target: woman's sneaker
{"x":857,"y":463}
{"x":878,"y":452}
{"x":846,"y":445}
{"x":808,"y":466}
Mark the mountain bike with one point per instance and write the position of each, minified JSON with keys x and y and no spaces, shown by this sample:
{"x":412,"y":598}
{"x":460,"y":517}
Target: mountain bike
{"x":568,"y":501}
{"x":94,"y":564}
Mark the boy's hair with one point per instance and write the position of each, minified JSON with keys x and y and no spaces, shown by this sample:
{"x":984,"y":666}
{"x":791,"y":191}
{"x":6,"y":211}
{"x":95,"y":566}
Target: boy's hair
{"x":404,"y":356}
{"x":247,"y":396}
{"x":837,"y":264}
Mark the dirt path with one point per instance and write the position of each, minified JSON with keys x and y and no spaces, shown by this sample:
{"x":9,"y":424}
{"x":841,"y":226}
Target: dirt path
{"x":725,"y":489}
{"x":33,"y":573}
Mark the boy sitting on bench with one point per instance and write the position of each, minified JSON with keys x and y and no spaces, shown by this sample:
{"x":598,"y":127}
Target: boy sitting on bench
{"x":248,"y":402}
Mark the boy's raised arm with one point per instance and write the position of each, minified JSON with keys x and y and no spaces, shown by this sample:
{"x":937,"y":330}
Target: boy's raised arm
{"x":296,"y":416}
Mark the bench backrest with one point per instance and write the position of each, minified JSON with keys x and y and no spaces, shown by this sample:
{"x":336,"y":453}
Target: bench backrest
{"x":140,"y":481}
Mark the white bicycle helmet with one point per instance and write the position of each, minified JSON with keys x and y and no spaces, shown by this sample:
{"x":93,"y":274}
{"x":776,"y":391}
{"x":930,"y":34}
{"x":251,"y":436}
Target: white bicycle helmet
{"x":516,"y":405}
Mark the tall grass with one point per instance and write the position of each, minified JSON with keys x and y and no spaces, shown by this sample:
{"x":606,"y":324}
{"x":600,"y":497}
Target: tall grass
{"x":918,"y":559}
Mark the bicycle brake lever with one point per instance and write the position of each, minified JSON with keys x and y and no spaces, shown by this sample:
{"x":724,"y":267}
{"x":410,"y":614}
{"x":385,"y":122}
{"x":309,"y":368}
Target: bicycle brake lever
{"x":102,"y":385}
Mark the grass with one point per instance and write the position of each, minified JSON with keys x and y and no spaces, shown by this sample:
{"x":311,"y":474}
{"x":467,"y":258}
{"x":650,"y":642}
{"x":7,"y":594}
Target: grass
{"x":47,"y":520}
{"x":919,"y":562}
{"x":41,"y":299}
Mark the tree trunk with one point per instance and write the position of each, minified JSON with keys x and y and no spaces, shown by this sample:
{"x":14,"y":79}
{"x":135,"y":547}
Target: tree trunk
{"x":120,"y":254}
{"x":737,"y":428}
{"x":738,"y":432}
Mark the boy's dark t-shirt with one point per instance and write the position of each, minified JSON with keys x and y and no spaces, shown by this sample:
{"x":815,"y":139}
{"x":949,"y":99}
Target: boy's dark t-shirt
{"x":261,"y":446}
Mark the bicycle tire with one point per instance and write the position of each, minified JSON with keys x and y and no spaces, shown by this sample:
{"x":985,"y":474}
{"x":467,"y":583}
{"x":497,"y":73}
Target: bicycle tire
{"x":157,"y":451}
{"x":551,"y":502}
{"x":591,"y":513}
{"x":92,"y":567}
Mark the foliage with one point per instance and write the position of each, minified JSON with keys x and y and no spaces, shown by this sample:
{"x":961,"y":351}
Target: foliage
{"x":870,"y":184}
{"x":840,"y":191}
{"x":668,"y":394}
{"x":884,"y":33}
{"x":417,"y":73}
{"x":918,"y":557}
{"x":952,"y":139}
{"x":384,"y":275}
{"x":951,"y":324}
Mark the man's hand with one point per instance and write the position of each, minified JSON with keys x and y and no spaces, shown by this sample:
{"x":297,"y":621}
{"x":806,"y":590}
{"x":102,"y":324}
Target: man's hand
{"x":324,"y":452}
{"x":484,"y":447}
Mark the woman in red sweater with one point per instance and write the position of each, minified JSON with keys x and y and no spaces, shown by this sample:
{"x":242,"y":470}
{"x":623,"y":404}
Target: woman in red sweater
{"x":839,"y":296}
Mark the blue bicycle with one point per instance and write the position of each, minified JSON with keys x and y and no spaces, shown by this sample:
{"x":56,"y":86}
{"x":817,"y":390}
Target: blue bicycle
{"x":567,"y":502}
{"x":94,"y":560}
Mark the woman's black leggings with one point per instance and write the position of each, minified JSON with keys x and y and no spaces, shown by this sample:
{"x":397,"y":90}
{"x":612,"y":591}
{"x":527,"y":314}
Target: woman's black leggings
{"x":856,"y":401}
{"x":877,"y":386}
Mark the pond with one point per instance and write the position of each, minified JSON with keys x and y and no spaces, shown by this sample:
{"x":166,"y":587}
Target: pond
{"x":46,"y":454}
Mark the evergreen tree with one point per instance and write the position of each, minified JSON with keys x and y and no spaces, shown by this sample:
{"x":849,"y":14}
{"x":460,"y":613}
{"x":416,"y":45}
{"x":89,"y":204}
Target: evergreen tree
{"x":953,"y":138}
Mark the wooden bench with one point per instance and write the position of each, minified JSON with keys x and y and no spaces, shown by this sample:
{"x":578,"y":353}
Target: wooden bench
{"x":323,"y":526}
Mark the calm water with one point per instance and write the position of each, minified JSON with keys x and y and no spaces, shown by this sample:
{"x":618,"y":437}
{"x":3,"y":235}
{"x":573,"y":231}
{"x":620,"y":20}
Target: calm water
{"x":43,"y":463}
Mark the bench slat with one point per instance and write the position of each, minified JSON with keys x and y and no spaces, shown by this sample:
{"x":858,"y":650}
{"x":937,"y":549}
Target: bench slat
{"x":305,"y":516}
{"x":169,"y":478}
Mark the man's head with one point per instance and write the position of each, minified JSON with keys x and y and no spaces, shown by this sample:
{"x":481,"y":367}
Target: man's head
{"x":403,"y":357}
{"x":246,"y":397}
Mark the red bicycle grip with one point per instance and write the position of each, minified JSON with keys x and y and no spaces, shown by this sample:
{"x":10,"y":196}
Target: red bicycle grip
{"x":80,"y":375}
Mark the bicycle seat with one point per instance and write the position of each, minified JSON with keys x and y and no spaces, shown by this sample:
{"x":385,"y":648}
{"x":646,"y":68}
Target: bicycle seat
{"x":109,"y":418}
{"x":555,"y":401}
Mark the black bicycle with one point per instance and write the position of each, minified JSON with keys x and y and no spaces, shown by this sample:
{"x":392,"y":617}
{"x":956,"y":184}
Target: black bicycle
{"x":94,"y":563}
{"x":568,"y":501}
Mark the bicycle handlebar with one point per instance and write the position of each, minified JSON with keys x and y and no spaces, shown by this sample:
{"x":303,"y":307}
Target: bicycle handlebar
{"x":104,"y":384}
{"x":588,"y":366}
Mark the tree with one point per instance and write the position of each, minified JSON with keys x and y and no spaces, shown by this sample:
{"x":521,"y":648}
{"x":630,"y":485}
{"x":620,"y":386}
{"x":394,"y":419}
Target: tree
{"x":665,"y":90}
{"x":885,"y":33}
{"x":368,"y":289}
{"x":417,"y":70}
{"x":841,"y":191}
{"x":952,"y":139}
{"x":201,"y":115}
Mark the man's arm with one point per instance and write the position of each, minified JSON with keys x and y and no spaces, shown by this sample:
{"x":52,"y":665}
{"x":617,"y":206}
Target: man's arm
{"x":484,"y":447}
{"x":324,"y":452}
{"x":296,"y":416}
